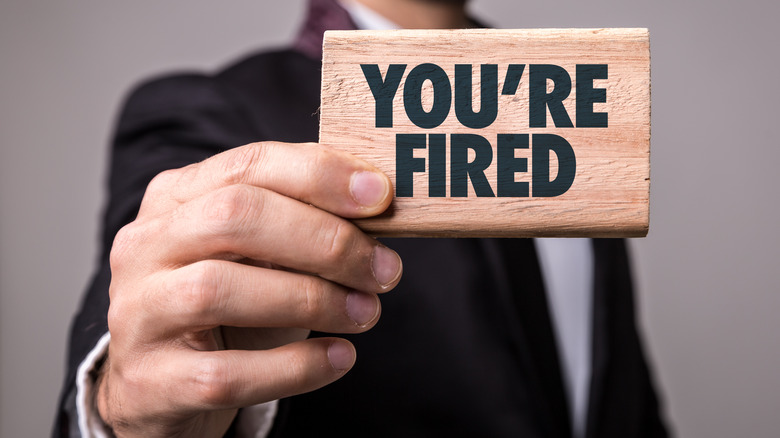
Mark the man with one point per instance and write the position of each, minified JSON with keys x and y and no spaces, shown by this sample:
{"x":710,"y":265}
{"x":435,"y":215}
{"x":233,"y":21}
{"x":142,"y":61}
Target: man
{"x":216,"y":272}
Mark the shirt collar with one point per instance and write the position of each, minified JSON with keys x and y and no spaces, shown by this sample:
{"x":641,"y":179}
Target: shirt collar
{"x":366,"y":18}
{"x":325,"y":15}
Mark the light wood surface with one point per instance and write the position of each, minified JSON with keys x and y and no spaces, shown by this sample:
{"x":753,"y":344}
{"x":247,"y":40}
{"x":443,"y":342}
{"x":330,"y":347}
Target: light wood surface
{"x":609,"y":196}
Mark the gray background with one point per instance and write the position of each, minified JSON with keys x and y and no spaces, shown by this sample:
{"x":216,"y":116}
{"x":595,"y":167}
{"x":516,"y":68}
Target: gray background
{"x":707,"y":273}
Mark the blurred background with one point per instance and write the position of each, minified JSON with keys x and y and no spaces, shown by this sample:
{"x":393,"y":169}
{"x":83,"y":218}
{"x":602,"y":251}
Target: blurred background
{"x":707,"y":275}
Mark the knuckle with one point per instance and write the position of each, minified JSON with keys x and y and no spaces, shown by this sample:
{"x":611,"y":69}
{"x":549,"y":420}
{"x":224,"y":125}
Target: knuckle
{"x":211,"y":382}
{"x":338,"y":241}
{"x":133,"y":377}
{"x":196,"y":290}
{"x":239,"y":163}
{"x":124,"y":240}
{"x":228,"y":209}
{"x":129,"y":372}
{"x":162,"y":183}
{"x":321,"y":162}
{"x":126,"y":320}
{"x":115,"y":317}
{"x":312,"y":298}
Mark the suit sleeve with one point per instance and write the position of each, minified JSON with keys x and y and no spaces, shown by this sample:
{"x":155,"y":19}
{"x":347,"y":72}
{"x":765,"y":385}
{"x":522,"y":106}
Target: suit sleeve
{"x":165,"y":124}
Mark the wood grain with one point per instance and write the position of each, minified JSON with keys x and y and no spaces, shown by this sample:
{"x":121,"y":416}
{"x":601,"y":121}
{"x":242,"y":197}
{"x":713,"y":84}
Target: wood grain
{"x":609,"y":196}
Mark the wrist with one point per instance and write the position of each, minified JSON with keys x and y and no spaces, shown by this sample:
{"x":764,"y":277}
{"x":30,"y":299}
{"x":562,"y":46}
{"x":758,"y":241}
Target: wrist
{"x":99,"y":397}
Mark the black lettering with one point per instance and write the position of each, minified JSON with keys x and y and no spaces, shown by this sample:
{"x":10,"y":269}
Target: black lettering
{"x":437,"y":165}
{"x":442,"y":95}
{"x":461,"y":169}
{"x":567,"y":165}
{"x":383,"y":90}
{"x":539,"y":99}
{"x":406,"y":164}
{"x":508,"y":165}
{"x":512,"y":80}
{"x":587,"y":95}
{"x":488,"y":107}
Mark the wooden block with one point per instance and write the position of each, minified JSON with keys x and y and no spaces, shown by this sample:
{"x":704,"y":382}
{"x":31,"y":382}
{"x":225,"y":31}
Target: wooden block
{"x":482,"y":136}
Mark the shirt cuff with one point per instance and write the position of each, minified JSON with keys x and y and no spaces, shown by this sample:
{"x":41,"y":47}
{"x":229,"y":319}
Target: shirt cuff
{"x":252,"y":422}
{"x":90,"y":423}
{"x":256,"y":421}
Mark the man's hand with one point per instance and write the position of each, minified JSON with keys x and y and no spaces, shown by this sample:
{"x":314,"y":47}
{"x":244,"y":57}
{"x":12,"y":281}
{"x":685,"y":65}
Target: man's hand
{"x":216,"y":284}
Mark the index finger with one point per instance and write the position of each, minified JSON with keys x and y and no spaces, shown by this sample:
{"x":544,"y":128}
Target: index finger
{"x":327,"y":178}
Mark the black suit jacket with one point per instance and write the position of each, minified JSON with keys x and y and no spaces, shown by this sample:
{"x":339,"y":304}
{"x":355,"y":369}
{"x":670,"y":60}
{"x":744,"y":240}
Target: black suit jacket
{"x":465,"y":345}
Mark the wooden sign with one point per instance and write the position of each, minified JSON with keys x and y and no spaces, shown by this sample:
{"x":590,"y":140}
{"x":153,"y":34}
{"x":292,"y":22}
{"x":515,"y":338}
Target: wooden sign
{"x":507,"y":133}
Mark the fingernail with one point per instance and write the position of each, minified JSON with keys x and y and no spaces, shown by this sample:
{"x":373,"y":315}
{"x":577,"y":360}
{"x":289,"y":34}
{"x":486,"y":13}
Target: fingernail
{"x":386,"y":265}
{"x":368,"y":188}
{"x":362,"y":307}
{"x":341,"y":355}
